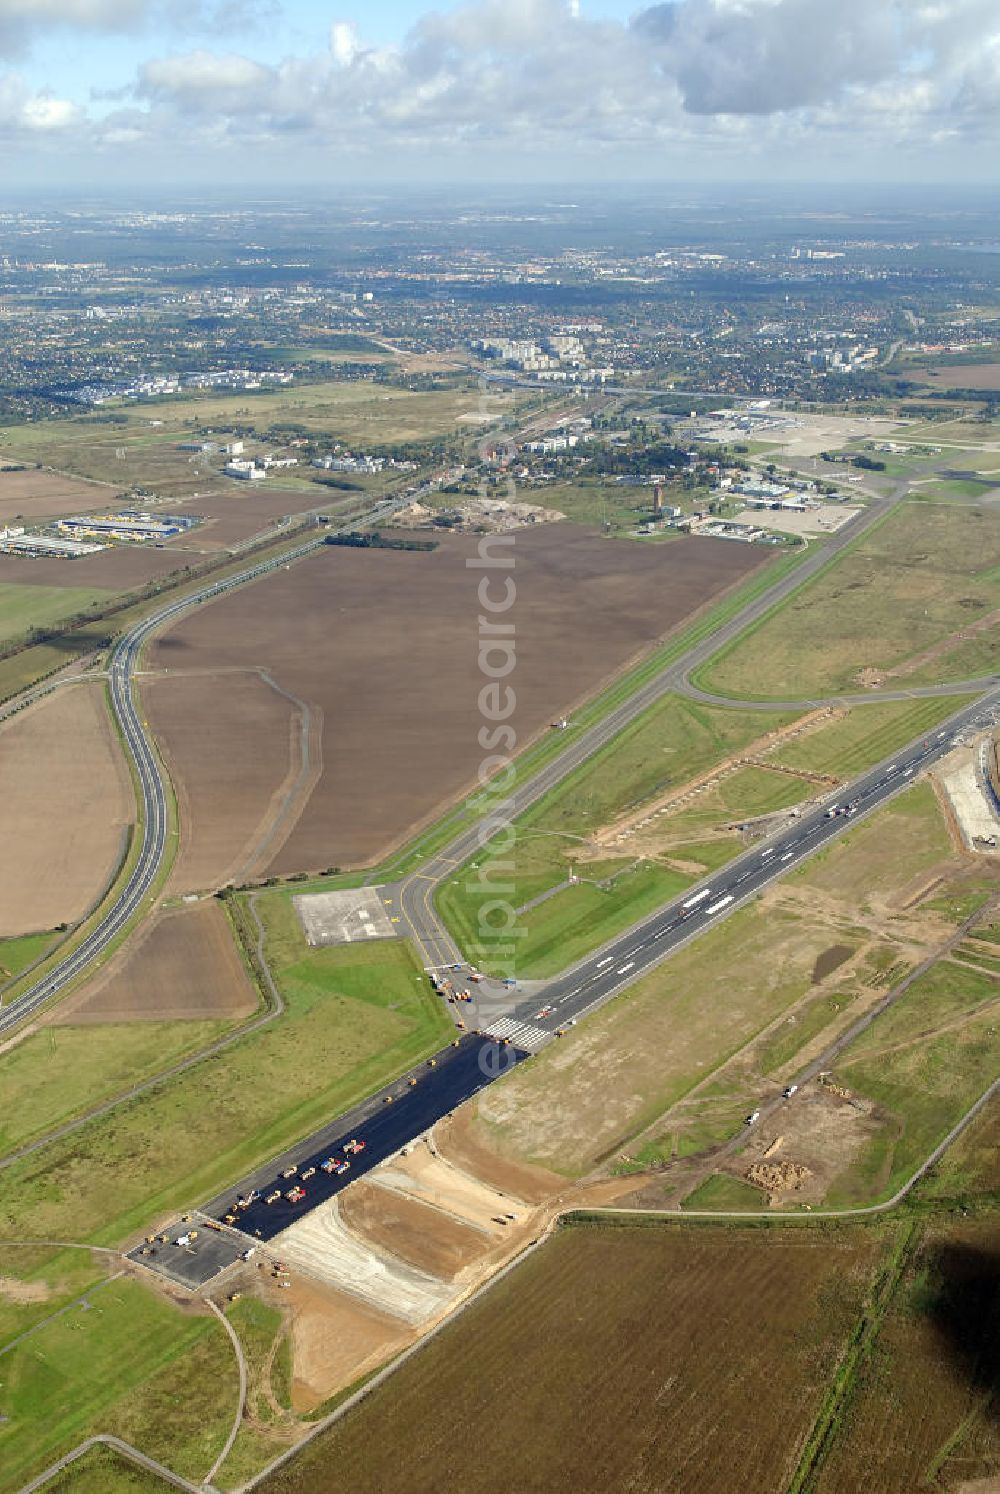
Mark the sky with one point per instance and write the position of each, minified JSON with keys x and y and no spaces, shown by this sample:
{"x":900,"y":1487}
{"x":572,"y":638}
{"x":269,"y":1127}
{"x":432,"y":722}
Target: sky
{"x":233,"y":93}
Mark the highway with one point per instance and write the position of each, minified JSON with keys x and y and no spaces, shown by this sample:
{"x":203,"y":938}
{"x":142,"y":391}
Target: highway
{"x":150,"y":780}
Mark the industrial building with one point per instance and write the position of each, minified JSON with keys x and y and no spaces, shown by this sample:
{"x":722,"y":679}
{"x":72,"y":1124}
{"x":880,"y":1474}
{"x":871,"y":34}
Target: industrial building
{"x":14,"y":541}
{"x":127,"y":527}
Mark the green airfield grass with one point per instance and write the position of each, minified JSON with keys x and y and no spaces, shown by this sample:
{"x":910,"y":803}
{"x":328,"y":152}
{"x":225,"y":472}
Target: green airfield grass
{"x":56,"y":1279}
{"x":17,"y":954}
{"x":921,"y":576}
{"x":924,"y":1062}
{"x":356,"y":1017}
{"x":668,"y":745}
{"x":23,"y":607}
{"x":110,"y":1366}
{"x":720,"y":1193}
{"x":55,"y":1074}
{"x":866,"y":735}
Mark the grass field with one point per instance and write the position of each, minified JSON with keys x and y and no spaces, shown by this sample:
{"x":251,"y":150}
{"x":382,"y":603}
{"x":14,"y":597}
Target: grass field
{"x":17,"y":954}
{"x":43,"y":1282}
{"x":610,"y":1079}
{"x":103,"y":1471}
{"x":357,"y":412}
{"x":58,"y":1072}
{"x":667,"y":746}
{"x":721,"y":1194}
{"x":910,"y":584}
{"x":626,"y":1359}
{"x":356,"y":1016}
{"x":924,"y":1062}
{"x":113,"y":1366}
{"x":23,"y":607}
{"x":883,"y":854}
{"x":970,"y":1168}
{"x":866,"y":735}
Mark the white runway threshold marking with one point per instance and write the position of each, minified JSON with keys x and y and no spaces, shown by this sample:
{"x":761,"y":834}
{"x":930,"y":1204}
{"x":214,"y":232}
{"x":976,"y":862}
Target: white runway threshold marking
{"x":521,"y":1034}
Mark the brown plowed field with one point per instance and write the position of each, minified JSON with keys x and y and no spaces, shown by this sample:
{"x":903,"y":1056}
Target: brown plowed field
{"x":236,"y":515}
{"x":67,"y":799}
{"x":613,"y":1359}
{"x":118,"y":569}
{"x":425,"y":1237}
{"x":966,"y":375}
{"x":45,"y":495}
{"x":385,"y":644}
{"x":245,"y":738}
{"x":183,"y":965}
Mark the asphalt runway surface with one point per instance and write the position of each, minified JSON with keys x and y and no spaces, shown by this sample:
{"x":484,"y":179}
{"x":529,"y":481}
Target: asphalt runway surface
{"x":457,"y":1074}
{"x":606,"y":972}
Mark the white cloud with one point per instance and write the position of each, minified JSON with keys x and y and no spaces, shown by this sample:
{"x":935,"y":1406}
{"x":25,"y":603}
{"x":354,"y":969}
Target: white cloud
{"x":691,"y":80}
{"x":344,"y":44}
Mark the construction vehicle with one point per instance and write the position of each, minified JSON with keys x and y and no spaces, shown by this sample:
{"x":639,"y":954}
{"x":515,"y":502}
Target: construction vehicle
{"x":331,"y":1164}
{"x":273,"y":1197}
{"x":413,"y":1083}
{"x":432,"y":1063}
{"x":296,"y":1195}
{"x":387,"y":1100}
{"x":251,"y":1198}
{"x":310,"y":1172}
{"x":230,"y":1219}
{"x":213,"y":1224}
{"x":353,"y":1146}
{"x":290,"y":1172}
{"x":342,"y":1167}
{"x":150,"y":1239}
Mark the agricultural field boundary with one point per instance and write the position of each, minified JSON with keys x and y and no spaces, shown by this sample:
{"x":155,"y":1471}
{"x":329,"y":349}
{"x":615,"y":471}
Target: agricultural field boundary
{"x":837,"y":1393}
{"x":252,"y":952}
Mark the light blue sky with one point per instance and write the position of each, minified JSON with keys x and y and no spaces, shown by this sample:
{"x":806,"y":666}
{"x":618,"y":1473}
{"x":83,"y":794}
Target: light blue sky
{"x":77,"y":66}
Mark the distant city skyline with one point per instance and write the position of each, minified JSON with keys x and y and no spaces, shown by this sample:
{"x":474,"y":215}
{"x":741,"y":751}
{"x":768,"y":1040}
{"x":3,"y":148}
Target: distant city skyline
{"x":270,"y":91}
